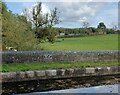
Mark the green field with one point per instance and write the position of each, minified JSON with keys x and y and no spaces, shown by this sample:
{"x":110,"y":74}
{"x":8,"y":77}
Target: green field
{"x":54,"y":65}
{"x":99,"y":42}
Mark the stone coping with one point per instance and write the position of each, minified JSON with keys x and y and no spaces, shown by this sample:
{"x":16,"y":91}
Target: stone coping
{"x":58,"y":73}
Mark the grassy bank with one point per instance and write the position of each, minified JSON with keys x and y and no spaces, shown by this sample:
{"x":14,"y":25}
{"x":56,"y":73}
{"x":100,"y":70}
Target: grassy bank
{"x":99,"y":42}
{"x":42,"y":66}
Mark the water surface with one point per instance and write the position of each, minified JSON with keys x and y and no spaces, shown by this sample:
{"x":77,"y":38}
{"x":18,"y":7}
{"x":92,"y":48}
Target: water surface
{"x":97,"y":89}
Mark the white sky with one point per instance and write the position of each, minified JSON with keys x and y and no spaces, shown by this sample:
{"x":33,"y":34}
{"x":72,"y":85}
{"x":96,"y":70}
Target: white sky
{"x":74,"y":12}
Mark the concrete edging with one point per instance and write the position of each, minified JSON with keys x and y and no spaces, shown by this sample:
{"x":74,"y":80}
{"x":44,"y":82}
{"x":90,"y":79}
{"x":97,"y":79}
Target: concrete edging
{"x":58,"y":73}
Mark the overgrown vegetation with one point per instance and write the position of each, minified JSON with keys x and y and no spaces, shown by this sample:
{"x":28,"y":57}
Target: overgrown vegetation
{"x":55,"y":65}
{"x":17,"y":30}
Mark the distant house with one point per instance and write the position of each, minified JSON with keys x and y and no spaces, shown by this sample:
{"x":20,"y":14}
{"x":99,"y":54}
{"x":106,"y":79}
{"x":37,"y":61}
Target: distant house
{"x":62,"y":34}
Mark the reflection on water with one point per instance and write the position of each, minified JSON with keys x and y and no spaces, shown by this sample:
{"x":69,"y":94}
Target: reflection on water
{"x":96,"y":89}
{"x":90,"y":84}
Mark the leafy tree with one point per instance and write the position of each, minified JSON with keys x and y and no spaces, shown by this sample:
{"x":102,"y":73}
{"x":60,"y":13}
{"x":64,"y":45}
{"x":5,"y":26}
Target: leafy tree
{"x":16,"y":32}
{"x":51,"y":35}
{"x":102,"y":25}
{"x":3,"y":6}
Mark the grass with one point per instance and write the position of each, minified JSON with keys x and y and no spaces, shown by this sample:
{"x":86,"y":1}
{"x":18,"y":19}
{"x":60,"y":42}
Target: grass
{"x":43,"y":66}
{"x":99,"y":42}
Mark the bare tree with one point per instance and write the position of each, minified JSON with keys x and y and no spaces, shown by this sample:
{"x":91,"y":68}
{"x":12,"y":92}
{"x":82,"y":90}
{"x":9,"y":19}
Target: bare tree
{"x":42,"y":20}
{"x":53,"y":18}
{"x":114,"y":27}
{"x":86,"y":24}
{"x":46,"y":21}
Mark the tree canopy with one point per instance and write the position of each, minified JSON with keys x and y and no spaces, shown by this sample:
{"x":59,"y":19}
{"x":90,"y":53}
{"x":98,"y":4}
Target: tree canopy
{"x":16,"y":31}
{"x":102,"y":25}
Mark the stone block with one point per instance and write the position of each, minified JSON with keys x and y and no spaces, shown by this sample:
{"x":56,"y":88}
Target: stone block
{"x":118,"y":68}
{"x":40,"y":73}
{"x":108,"y":69}
{"x":60,"y":72}
{"x":51,"y":73}
{"x":90,"y":70}
{"x":114,"y":69}
{"x":10,"y":76}
{"x":79,"y":71}
{"x":98,"y":70}
{"x":69,"y":72}
{"x":5,"y":75}
{"x":30,"y":74}
{"x":103,"y":70}
{"x":0,"y":76}
{"x":20,"y":75}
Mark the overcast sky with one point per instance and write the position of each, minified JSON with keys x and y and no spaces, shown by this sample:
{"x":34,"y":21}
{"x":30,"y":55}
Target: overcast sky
{"x":73,"y":14}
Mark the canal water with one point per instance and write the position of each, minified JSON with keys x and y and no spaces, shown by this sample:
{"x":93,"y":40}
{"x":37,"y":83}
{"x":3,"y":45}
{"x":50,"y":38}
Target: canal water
{"x":97,"y":89}
{"x":89,"y":84}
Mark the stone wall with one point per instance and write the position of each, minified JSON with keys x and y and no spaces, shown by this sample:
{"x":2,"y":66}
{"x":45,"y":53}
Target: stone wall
{"x":58,"y":56}
{"x":58,"y":73}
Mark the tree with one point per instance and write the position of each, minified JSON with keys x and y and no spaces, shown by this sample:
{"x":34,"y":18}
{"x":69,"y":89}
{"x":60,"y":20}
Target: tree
{"x":51,"y":35}
{"x":41,"y":20}
{"x":101,"y":25}
{"x":4,"y":7}
{"x":16,"y":32}
{"x":86,"y":24}
{"x":114,"y":26}
{"x":53,"y":18}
